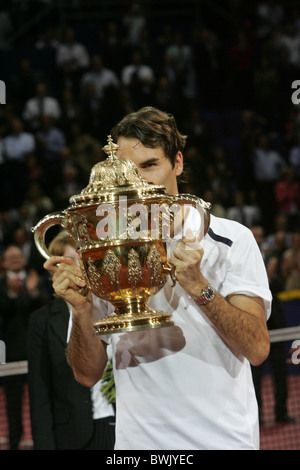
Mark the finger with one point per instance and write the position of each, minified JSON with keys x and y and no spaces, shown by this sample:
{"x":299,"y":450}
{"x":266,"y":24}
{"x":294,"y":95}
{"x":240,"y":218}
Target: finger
{"x":66,"y":289}
{"x":72,"y":273}
{"x":184,"y":252}
{"x":189,"y":236}
{"x":52,"y":263}
{"x":65,"y":284}
{"x":56,"y":260}
{"x":177,"y":263}
{"x":68,"y":265}
{"x":179,"y":252}
{"x":191,"y":241}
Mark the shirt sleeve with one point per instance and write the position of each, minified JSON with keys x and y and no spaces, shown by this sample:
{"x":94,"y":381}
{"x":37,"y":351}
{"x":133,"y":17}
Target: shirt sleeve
{"x":246,"y":273}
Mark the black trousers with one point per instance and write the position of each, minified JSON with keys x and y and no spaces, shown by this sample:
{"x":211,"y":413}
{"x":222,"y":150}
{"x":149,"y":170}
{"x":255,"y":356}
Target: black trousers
{"x":14,"y":395}
{"x":104,"y":434}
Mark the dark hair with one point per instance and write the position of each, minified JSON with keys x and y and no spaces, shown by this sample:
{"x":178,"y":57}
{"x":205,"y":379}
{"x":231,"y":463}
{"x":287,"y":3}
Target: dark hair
{"x":153,"y":128}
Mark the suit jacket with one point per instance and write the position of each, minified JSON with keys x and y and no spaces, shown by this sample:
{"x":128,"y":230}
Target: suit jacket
{"x":14,"y":318}
{"x":61,"y":408}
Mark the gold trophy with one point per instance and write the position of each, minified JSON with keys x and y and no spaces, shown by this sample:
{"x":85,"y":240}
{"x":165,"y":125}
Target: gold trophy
{"x":122,"y":226}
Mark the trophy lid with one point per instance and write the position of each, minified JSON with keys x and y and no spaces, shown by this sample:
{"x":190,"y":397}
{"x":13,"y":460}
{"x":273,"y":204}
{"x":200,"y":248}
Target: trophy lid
{"x":112,"y":177}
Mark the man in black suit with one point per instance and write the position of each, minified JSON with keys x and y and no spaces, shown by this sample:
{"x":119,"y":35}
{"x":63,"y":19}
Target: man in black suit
{"x":21,"y":292}
{"x":64,"y":414}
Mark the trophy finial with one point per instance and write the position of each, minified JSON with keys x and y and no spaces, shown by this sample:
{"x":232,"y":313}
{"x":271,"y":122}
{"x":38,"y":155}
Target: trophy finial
{"x":110,"y":148}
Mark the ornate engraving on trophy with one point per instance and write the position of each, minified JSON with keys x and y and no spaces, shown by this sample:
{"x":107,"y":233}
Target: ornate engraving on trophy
{"x":94,"y":274}
{"x":135,"y":272}
{"x":155,"y":266}
{"x":111,"y":267}
{"x":81,"y":224}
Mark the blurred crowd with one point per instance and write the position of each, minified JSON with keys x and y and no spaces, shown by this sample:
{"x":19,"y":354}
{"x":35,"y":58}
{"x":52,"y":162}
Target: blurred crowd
{"x":226,"y":72}
{"x":226,"y":79}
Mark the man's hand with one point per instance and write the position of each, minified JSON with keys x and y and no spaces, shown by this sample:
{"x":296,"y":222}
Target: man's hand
{"x":67,"y":280}
{"x":186,"y":258}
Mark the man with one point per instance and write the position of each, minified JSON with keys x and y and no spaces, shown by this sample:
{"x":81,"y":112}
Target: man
{"x":41,"y":105}
{"x":64,"y":414}
{"x":101,"y":77}
{"x":188,"y":386}
{"x":18,"y":144}
{"x":21,"y":292}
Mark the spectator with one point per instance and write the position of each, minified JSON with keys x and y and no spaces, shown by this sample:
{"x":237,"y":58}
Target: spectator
{"x":139,"y":79}
{"x":17,"y":146}
{"x":270,"y":15}
{"x":6,"y":28}
{"x":101,"y":77}
{"x":23,"y":84}
{"x":279,"y":244}
{"x":277,"y":350}
{"x":241,"y":57}
{"x":18,"y":143}
{"x":39,"y":203}
{"x":294,"y":156}
{"x":291,"y":264}
{"x":134,"y":22}
{"x":51,"y":140}
{"x":86,"y":151}
{"x":216,"y":208}
{"x":40,"y":105}
{"x":259,"y":235}
{"x":91,"y":109}
{"x":21,"y":292}
{"x":108,"y":40}
{"x":72,"y":53}
{"x":267,"y":164}
{"x":47,"y":40}
{"x":287,"y":195}
{"x":181,"y":55}
{"x":290,"y":41}
{"x":246,"y":214}
{"x":70,"y":185}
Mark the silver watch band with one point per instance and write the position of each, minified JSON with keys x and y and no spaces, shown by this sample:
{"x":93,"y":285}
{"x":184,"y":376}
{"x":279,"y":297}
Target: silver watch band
{"x":207,"y":295}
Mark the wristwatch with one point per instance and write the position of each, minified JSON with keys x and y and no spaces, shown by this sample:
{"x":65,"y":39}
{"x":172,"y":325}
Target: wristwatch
{"x":206,"y":296}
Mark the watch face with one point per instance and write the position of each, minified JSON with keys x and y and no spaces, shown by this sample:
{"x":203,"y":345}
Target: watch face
{"x":209,"y":293}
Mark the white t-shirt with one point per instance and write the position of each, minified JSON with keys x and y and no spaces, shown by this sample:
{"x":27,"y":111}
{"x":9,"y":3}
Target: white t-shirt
{"x":180,"y":387}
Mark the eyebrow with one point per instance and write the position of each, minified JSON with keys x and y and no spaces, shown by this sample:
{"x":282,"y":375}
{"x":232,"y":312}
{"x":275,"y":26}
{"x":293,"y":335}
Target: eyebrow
{"x":150,"y":160}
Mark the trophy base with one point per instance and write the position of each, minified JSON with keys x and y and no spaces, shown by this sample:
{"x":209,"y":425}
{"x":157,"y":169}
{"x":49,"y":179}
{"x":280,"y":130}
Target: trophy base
{"x":127,"y":322}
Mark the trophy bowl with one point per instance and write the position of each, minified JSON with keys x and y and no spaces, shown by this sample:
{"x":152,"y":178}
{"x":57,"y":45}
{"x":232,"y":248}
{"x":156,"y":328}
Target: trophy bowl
{"x":122,"y":226}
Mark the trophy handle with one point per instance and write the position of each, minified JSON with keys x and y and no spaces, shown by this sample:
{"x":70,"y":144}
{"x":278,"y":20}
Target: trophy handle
{"x":40,"y":229}
{"x":170,"y":268}
{"x":203,"y":208}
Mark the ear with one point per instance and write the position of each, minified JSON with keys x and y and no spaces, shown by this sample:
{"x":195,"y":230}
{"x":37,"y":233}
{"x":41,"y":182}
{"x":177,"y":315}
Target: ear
{"x":178,"y":164}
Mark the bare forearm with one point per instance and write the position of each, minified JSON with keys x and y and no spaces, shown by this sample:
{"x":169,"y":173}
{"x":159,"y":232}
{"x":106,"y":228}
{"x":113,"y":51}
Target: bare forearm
{"x":240,"y":323}
{"x":86,"y":353}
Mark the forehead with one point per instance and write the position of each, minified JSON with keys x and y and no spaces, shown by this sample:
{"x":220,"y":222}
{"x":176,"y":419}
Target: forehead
{"x":13,"y":253}
{"x":133,"y":149}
